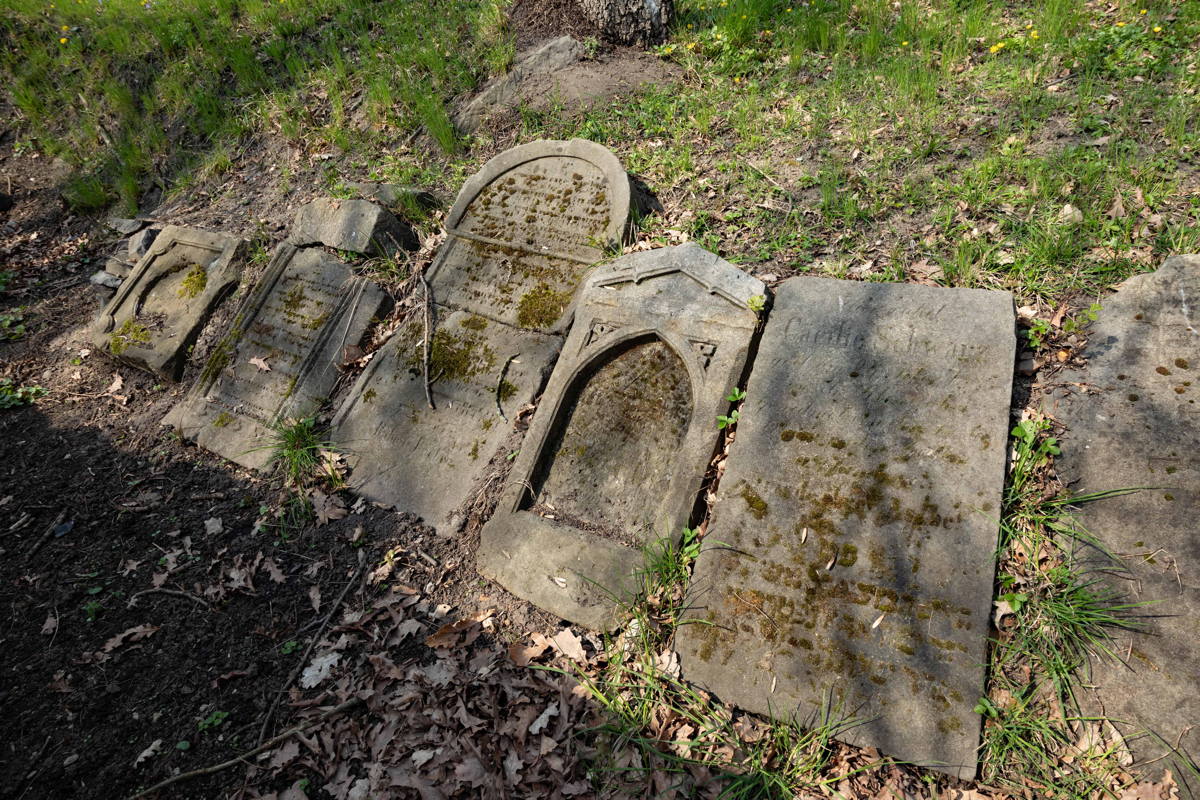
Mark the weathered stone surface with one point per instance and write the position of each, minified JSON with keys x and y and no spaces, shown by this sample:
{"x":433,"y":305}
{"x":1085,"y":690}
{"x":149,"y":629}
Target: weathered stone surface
{"x":105,"y":279}
{"x":527,"y":228}
{"x":860,"y":508}
{"x":280,"y":357}
{"x":505,"y":90}
{"x":126,"y":226}
{"x":118,"y":268}
{"x":154,"y":318}
{"x":356,"y":225}
{"x":1133,"y":420}
{"x":425,"y":460}
{"x":618,"y":448}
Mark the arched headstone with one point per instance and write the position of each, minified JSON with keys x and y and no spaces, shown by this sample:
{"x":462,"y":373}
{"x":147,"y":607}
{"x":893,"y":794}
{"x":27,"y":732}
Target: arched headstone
{"x":617,"y":450}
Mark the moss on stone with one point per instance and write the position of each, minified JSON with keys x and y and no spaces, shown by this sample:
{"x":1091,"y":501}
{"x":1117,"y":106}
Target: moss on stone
{"x":129,"y":334}
{"x":193,"y":282}
{"x":223,"y":419}
{"x":541,"y":306}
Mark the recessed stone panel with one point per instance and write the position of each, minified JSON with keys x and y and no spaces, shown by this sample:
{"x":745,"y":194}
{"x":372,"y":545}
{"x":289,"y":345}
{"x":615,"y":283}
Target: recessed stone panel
{"x":425,"y":460}
{"x":526,"y":230}
{"x":859,"y":514}
{"x":154,"y":318}
{"x":280,"y":357}
{"x":620,"y":442}
{"x":1133,"y":421}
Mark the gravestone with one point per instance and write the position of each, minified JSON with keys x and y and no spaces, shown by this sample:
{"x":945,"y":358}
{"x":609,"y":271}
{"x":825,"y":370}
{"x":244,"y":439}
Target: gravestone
{"x":1133,"y":420}
{"x":618,"y":448}
{"x":527,"y":228}
{"x":520,"y":238}
{"x":280,"y":358}
{"x":859,"y":514}
{"x":154,"y":318}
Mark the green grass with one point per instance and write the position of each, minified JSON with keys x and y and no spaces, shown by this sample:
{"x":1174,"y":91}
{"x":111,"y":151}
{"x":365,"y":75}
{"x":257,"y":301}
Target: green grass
{"x":298,"y":453}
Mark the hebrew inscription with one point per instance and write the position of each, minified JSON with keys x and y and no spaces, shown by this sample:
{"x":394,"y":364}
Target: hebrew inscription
{"x":154,"y":318}
{"x":1133,"y":420}
{"x":526,"y":230}
{"x":861,"y":506}
{"x":280,"y":357}
{"x":618,"y":448}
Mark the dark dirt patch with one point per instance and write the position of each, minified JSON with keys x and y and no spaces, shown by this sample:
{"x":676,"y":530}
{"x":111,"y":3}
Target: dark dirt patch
{"x":534,"y":21}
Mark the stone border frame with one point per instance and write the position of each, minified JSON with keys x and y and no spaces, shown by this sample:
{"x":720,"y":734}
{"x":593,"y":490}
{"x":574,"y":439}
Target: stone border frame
{"x":145,"y":276}
{"x":600,"y":570}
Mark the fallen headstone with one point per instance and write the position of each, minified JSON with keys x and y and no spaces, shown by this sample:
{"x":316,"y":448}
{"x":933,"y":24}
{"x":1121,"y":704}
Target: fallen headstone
{"x":1133,"y":421}
{"x":858,"y":517}
{"x":505,"y":90}
{"x":521,"y":236}
{"x":154,"y":318}
{"x":140,"y":242}
{"x":622,"y":438}
{"x":280,"y":358}
{"x":359,"y":226}
{"x":527,"y":228}
{"x":394,"y":196}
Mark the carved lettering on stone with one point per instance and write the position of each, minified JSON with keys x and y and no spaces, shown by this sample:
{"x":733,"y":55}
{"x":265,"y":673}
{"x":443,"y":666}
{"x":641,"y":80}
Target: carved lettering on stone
{"x":280,"y":358}
{"x":619,"y":445}
{"x":860,"y":507}
{"x":155,"y":317}
{"x":1133,"y":420}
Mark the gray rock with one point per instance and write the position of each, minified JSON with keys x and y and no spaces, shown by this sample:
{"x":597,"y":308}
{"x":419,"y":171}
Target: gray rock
{"x":425,"y":460}
{"x":860,"y":510}
{"x":625,"y":431}
{"x":280,"y":358}
{"x":154,"y":318}
{"x":118,"y":268}
{"x":105,"y":279}
{"x":501,"y":92}
{"x":1133,"y":420}
{"x":527,"y":228}
{"x":126,"y":226}
{"x":140,"y":242}
{"x":356,"y":225}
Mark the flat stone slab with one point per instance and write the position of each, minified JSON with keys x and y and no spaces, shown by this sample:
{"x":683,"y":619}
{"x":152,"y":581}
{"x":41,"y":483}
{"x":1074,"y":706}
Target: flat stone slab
{"x":154,"y":318}
{"x":858,"y":517}
{"x":618,"y":448}
{"x":1133,"y":420}
{"x":505,"y":91}
{"x":527,"y":228}
{"x":359,"y":226}
{"x":280,"y":358}
{"x":422,"y":460}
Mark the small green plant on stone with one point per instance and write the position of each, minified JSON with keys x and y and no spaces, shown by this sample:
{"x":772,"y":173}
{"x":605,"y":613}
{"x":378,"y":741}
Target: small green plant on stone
{"x":130,"y":333}
{"x":289,"y":647}
{"x":296,"y":451}
{"x":757,"y":303}
{"x":1038,"y":333}
{"x":1084,"y":319}
{"x":735,"y":395}
{"x":194,"y":282}
{"x":213,"y":720}
{"x":12,"y":395}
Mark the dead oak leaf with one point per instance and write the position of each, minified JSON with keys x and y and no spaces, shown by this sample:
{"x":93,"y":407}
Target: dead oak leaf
{"x":569,"y":645}
{"x":328,"y":507}
{"x":134,"y":634}
{"x":261,"y":363}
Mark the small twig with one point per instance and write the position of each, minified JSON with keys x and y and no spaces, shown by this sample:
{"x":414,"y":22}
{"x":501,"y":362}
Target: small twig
{"x":233,"y":762}
{"x":500,"y":384}
{"x":46,"y":536}
{"x":426,"y":346}
{"x":756,"y":608}
{"x":304,"y":658}
{"x":173,"y":593}
{"x":432,"y":561}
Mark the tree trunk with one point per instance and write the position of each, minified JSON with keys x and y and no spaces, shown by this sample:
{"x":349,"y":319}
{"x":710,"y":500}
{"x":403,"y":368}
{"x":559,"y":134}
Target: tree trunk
{"x":641,"y":22}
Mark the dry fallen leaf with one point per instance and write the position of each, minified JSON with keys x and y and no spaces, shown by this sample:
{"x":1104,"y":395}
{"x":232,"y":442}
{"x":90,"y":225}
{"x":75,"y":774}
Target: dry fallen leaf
{"x":149,"y":752}
{"x":569,"y":645}
{"x":261,"y":363}
{"x":50,"y":625}
{"x":134,"y":634}
{"x":213,"y":526}
{"x":319,"y":669}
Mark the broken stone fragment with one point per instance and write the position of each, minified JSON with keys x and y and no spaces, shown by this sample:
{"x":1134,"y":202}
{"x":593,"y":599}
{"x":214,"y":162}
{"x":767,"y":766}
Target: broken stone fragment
{"x":552,"y":56}
{"x":139,"y":243}
{"x":126,"y":226}
{"x":356,"y":225}
{"x":117,"y":268}
{"x":105,"y":279}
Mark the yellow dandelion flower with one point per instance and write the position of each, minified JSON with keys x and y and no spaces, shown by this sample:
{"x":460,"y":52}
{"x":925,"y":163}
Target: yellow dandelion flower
{"x":1028,"y":25}
{"x":788,"y":11}
{"x":689,"y":26}
{"x":66,"y":27}
{"x":63,"y":40}
{"x":904,"y":44}
{"x":1143,"y":11}
{"x":767,"y":32}
{"x":691,"y":45}
{"x":1120,"y":24}
{"x":1033,"y":35}
{"x":737,"y":80}
{"x":743,"y":16}
{"x":1158,"y":28}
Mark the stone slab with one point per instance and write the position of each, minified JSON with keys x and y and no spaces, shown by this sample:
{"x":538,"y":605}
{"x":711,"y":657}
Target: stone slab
{"x":618,"y":448}
{"x":859,"y":512}
{"x":1133,"y":420}
{"x":299,"y":320}
{"x":140,"y":242}
{"x":505,"y":91}
{"x":526,"y":230}
{"x":359,"y":226}
{"x":422,"y":460}
{"x":154,"y":318}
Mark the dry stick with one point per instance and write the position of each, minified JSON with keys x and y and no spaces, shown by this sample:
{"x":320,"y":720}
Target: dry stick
{"x":304,"y":658}
{"x":173,"y":593}
{"x":267,"y":745}
{"x":46,"y":536}
{"x":426,"y":346}
{"x":500,"y":384}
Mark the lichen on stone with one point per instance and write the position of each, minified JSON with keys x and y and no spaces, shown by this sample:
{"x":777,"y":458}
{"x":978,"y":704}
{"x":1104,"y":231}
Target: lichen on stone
{"x":193,"y":282}
{"x":129,"y":334}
